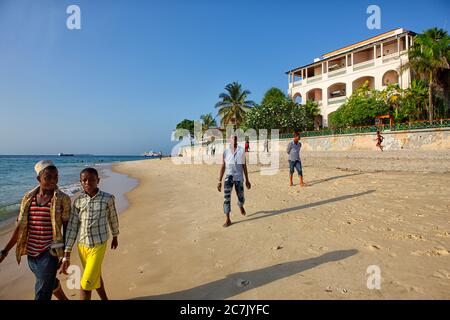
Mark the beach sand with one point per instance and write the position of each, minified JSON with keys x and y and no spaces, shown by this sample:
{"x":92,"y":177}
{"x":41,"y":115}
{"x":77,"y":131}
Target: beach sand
{"x":295,"y":243}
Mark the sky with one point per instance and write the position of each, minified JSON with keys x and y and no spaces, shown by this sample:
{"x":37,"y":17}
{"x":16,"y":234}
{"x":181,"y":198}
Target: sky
{"x":121,"y":83}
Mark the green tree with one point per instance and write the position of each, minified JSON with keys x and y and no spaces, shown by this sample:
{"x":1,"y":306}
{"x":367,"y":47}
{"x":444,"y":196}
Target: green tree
{"x":284,"y":115}
{"x":360,"y":108}
{"x":312,"y":108}
{"x":208,"y":121}
{"x":234,"y":105}
{"x":186,"y":124}
{"x":428,"y":56}
{"x":273,"y":95}
{"x":413,"y":105}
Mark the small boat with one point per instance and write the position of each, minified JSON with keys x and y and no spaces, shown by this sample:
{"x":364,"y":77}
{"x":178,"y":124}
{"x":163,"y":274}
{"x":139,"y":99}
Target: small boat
{"x":65,"y":155}
{"x":152,"y":154}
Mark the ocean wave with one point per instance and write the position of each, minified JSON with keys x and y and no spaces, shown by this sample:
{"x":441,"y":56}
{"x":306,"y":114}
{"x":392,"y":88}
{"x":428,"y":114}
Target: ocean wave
{"x":71,"y":189}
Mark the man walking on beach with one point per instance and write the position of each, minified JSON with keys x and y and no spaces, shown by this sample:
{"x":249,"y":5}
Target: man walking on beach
{"x":293,"y":150}
{"x":234,"y":167}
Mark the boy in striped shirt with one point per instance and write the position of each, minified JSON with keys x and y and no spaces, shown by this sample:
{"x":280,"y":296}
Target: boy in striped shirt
{"x":44,"y":212}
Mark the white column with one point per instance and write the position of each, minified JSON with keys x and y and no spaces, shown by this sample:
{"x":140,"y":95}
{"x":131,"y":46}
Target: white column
{"x":398,"y":46}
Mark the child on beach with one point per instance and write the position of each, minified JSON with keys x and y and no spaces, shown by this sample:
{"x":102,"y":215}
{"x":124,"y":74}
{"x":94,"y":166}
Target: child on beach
{"x":293,"y":150}
{"x":92,"y":212}
{"x":43,"y":216}
{"x":234,"y":167}
{"x":379,"y":140}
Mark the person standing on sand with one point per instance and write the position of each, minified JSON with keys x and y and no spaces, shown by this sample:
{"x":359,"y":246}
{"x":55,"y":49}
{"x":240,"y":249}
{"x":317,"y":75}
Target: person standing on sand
{"x":235,"y":168}
{"x":293,"y":150}
{"x":93,"y":211}
{"x":379,"y":140}
{"x":43,"y":217}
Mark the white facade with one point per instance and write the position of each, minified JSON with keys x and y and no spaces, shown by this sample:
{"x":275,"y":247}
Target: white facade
{"x":336,"y":75}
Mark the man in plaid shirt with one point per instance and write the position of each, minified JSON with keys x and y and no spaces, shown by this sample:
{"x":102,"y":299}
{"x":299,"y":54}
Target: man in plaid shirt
{"x":92,"y":212}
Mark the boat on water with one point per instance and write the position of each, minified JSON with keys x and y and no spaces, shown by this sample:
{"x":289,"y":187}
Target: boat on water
{"x":65,"y":154}
{"x":152,"y":154}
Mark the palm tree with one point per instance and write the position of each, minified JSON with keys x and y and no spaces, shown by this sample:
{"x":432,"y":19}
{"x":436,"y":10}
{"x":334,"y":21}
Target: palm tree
{"x":428,"y":56}
{"x":208,"y":121}
{"x":234,"y":105}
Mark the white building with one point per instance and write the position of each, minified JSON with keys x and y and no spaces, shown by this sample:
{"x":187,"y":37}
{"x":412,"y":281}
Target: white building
{"x":332,"y":78}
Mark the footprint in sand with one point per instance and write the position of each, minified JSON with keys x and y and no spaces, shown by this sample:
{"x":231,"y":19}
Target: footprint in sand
{"x":218,"y":265}
{"x":442,"y":274}
{"x":132,"y":286}
{"x":443,"y":234}
{"x":435,"y":252}
{"x":242,"y":283}
{"x":374,"y":247}
{"x":140,"y":269}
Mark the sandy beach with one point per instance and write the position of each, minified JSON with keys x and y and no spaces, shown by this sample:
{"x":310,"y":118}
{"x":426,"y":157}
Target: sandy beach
{"x":358,"y":210}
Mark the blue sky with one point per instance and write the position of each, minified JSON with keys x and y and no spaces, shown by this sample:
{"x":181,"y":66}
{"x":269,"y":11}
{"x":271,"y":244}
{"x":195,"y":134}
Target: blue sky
{"x":136,"y":68}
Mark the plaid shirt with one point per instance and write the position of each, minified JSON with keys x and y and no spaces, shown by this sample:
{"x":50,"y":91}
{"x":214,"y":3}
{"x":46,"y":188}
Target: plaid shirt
{"x":59,"y":213}
{"x":90,"y":217}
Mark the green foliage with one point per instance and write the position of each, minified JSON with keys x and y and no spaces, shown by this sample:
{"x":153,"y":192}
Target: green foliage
{"x":234,"y":105}
{"x":360,"y":108}
{"x":284,"y":115}
{"x":428,"y":57}
{"x":186,"y":124}
{"x":208,"y":121}
{"x":273,"y":95}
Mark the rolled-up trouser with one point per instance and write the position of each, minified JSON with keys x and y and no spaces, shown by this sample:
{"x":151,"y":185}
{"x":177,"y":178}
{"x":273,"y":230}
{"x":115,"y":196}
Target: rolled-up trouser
{"x":297,"y":164}
{"x":228,"y":186}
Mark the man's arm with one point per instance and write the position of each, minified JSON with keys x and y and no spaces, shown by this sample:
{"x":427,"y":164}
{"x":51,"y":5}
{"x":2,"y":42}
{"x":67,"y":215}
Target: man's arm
{"x":11,"y":243}
{"x":222,"y":172}
{"x":289,"y":147}
{"x":113,"y":221}
{"x":70,"y":236}
{"x":247,"y":181}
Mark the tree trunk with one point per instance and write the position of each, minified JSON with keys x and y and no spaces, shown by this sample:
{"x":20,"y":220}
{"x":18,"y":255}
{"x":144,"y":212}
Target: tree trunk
{"x":430,"y":99}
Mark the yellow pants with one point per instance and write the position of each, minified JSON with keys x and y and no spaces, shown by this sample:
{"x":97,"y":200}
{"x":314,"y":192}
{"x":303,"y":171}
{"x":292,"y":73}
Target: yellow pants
{"x":91,"y":259}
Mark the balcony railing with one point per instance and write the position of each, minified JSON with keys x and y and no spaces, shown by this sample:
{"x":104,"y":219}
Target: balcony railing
{"x":314,"y":79}
{"x":297,"y":83}
{"x":363,"y":65}
{"x":336,"y":99}
{"x":337,"y":72}
{"x":390,"y":57}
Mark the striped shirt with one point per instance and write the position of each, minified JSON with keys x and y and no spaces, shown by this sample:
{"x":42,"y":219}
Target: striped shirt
{"x":40,"y":230}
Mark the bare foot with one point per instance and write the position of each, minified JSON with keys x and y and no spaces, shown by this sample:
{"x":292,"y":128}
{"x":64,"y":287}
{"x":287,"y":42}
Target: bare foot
{"x":243,"y":211}
{"x":302,"y":185}
{"x":290,"y":184}
{"x":227,"y":224}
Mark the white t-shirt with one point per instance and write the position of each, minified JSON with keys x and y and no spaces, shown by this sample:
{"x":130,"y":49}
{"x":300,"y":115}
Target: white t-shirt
{"x":234,"y":163}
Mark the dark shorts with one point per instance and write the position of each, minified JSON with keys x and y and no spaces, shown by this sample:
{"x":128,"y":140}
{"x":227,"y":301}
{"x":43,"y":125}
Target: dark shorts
{"x":44,"y":267}
{"x":297,"y":165}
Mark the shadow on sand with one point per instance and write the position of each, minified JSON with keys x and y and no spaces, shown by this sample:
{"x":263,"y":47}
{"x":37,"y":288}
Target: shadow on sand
{"x":237,"y":283}
{"x":265,"y":214}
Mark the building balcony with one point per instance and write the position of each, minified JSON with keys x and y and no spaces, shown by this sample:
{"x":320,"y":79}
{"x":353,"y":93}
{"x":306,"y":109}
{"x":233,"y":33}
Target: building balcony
{"x":336,"y":100}
{"x":363,"y":65}
{"x":314,"y":79}
{"x":337,"y":72}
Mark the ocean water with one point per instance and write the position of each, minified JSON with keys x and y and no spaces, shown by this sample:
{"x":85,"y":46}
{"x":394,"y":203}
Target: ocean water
{"x":17,"y":176}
